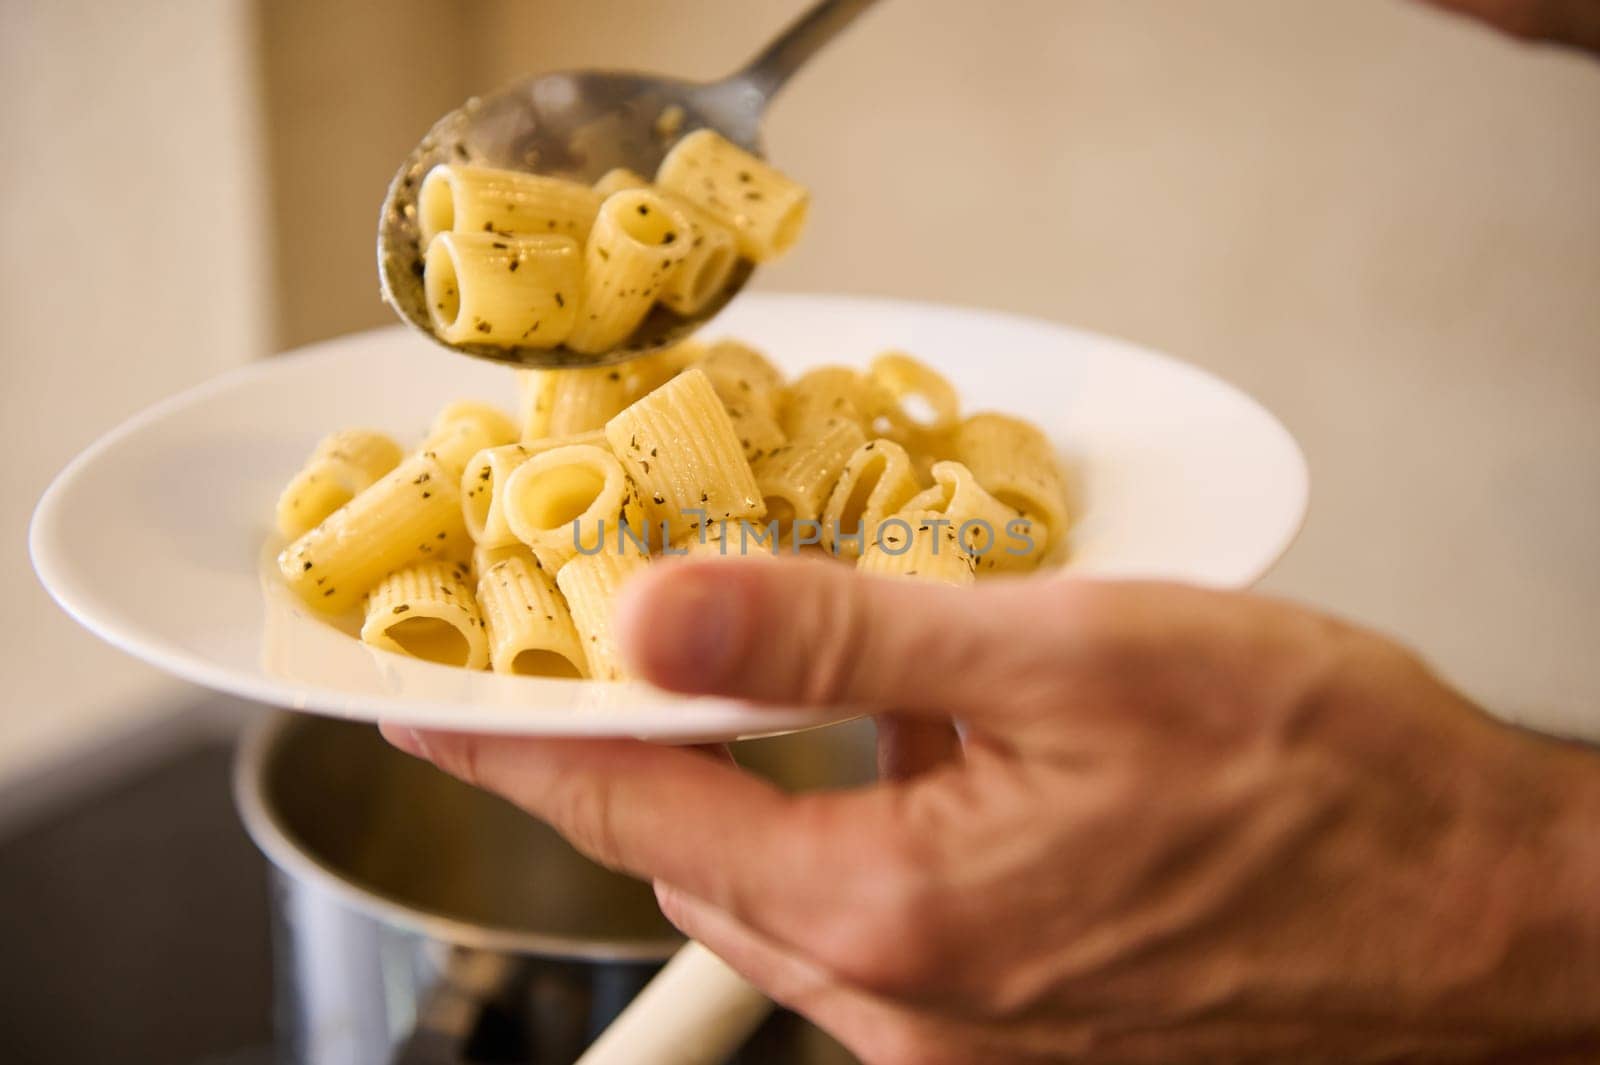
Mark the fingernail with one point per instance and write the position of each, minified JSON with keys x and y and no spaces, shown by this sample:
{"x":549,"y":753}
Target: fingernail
{"x":689,"y":630}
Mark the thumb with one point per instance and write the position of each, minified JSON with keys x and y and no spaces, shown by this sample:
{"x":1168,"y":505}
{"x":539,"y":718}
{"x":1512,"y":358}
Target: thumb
{"x":813,"y":633}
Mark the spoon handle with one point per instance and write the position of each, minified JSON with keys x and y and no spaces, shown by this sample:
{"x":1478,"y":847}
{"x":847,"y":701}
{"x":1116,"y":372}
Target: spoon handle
{"x":766,"y":74}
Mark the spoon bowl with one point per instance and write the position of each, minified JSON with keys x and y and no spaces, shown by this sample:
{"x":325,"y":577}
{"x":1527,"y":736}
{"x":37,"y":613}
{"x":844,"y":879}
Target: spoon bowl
{"x":579,"y":125}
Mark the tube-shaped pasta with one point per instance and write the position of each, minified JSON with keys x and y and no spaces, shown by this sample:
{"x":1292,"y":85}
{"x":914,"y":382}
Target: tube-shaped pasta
{"x":529,"y":627}
{"x":480,"y":199}
{"x":905,"y":381}
{"x":464,"y":428}
{"x":567,"y":401}
{"x":591,"y":584}
{"x":748,"y":386}
{"x":679,"y":447}
{"x":637,"y":242}
{"x":428,"y":611}
{"x":765,"y":209}
{"x":483,"y":485}
{"x":989,"y":530}
{"x":877,"y":480}
{"x":343,"y":464}
{"x":483,"y":288}
{"x":486,"y":558}
{"x":704,"y":272}
{"x":741,"y":368}
{"x":796,"y":479}
{"x":567,"y":499}
{"x":916,"y":545}
{"x":412,"y":514}
{"x":826,"y":394}
{"x":616,"y":179}
{"x":1017,"y":464}
{"x":650,"y":372}
{"x":713,"y":253}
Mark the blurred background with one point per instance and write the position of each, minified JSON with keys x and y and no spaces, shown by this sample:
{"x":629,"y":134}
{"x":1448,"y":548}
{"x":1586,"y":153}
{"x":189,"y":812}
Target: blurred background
{"x":1382,"y":221}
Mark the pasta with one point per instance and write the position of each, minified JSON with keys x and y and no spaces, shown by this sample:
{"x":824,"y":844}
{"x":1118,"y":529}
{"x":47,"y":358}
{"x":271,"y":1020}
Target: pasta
{"x":485,"y":558}
{"x":877,"y":481}
{"x":501,"y":544}
{"x":1017,"y":464}
{"x":765,"y":210}
{"x":427,"y":611}
{"x":915,"y":544}
{"x":480,"y":199}
{"x":462,"y":430}
{"x":591,"y":584}
{"x":483,"y":486}
{"x":567,"y":500}
{"x":530,"y":630}
{"x":486,"y":288}
{"x":564,"y":402}
{"x":827,"y":394}
{"x":342,"y":465}
{"x":520,"y":260}
{"x":637,"y":242}
{"x":991,"y":531}
{"x":678,"y":446}
{"x":905,"y":382}
{"x":712,"y":254}
{"x":412,"y":514}
{"x":796,"y":479}
{"x":749,"y":387}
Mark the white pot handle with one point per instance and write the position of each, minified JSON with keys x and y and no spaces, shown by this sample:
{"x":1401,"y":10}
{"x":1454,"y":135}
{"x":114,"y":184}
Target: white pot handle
{"x":697,"y":1011}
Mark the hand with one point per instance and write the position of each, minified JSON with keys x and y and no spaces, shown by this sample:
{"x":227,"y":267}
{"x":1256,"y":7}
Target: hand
{"x":1182,"y":826}
{"x":1575,"y":22}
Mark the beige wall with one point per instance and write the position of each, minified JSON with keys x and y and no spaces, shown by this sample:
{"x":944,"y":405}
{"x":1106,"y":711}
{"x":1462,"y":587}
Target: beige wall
{"x":130,"y":201}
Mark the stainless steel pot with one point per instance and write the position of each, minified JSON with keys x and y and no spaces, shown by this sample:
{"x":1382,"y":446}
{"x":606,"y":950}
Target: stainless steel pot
{"x":419,"y":920}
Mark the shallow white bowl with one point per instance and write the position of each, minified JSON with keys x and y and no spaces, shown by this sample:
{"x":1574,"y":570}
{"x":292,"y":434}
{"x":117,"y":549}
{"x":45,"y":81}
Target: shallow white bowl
{"x":159,"y":537}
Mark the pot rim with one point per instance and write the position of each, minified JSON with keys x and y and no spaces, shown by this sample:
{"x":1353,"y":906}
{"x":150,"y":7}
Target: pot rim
{"x":264,"y":826}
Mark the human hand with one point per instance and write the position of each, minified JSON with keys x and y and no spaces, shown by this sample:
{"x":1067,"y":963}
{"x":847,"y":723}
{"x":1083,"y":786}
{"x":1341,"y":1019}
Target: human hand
{"x":1183,"y":826}
{"x":1575,"y":22}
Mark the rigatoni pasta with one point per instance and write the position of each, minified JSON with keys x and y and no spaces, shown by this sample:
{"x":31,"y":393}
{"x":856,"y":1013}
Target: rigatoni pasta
{"x":764,"y":208}
{"x":796,"y":479}
{"x":917,"y":545}
{"x":679,"y":447}
{"x":503,"y":545}
{"x":342,"y":464}
{"x":568,"y":500}
{"x":428,"y":611}
{"x":480,"y":199}
{"x":462,"y":430}
{"x":518,"y":260}
{"x":1017,"y":464}
{"x":483,"y":485}
{"x":987,"y":529}
{"x":412,"y":514}
{"x":590,"y":584}
{"x":638,"y":240}
{"x":712,"y":255}
{"x":484,"y":288}
{"x":877,"y":480}
{"x":530,"y":630}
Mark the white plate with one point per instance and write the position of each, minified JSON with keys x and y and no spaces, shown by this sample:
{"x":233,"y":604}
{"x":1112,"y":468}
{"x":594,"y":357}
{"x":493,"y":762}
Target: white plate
{"x":156,"y":537}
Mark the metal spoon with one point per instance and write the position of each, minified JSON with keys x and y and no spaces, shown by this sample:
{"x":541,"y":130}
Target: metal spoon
{"x":578,"y":125}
